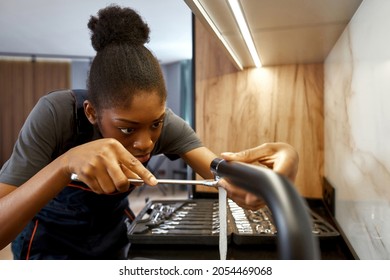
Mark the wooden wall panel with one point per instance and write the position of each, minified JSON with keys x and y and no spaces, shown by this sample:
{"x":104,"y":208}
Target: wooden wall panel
{"x":22,"y":83}
{"x":242,"y":109}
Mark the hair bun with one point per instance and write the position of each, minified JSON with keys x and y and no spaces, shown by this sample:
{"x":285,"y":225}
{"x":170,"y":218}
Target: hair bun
{"x":116,"y":25}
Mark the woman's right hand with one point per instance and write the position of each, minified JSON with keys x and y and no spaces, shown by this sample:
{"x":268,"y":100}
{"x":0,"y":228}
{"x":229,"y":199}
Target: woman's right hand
{"x":105,"y":166}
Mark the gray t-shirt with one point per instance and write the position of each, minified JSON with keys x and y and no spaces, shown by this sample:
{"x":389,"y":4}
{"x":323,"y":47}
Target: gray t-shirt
{"x":51,"y":125}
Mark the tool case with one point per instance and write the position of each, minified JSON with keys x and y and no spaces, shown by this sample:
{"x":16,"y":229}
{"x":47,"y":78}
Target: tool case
{"x":196,"y":221}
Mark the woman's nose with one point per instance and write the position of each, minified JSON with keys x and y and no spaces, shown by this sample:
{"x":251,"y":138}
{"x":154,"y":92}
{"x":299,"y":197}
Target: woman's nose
{"x":143,"y":142}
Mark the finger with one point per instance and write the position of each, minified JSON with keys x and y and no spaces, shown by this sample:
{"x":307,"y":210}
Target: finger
{"x":233,"y":192}
{"x":286,"y":163}
{"x":96,"y":184}
{"x":91,"y":182}
{"x":241,"y":197}
{"x":130,"y":175}
{"x":254,"y":207}
{"x":112,"y":179}
{"x":240,"y":156}
{"x":253,"y":202}
{"x":233,"y":195}
{"x":106,"y":183}
{"x":287,"y":168}
{"x":136,"y":166}
{"x":248,"y":156}
{"x":249,"y":201}
{"x":108,"y":176}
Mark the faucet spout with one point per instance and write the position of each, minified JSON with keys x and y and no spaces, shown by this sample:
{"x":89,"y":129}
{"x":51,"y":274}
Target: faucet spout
{"x":290,"y":211}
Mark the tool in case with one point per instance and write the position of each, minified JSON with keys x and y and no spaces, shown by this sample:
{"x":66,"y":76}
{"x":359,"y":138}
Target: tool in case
{"x":196,"y":221}
{"x":176,"y":222}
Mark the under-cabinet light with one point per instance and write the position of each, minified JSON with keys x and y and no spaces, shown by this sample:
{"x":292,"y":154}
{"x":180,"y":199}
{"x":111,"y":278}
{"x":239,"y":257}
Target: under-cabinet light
{"x":244,"y":29}
{"x":218,"y":33}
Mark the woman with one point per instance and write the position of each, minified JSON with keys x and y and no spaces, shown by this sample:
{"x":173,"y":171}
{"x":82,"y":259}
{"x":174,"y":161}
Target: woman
{"x":105,"y":138}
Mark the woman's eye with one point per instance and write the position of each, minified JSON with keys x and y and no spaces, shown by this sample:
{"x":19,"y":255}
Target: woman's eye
{"x":157,"y":124}
{"x":127,"y":130}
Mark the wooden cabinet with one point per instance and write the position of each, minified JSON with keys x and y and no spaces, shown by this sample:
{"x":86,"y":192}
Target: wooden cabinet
{"x":236,"y":110}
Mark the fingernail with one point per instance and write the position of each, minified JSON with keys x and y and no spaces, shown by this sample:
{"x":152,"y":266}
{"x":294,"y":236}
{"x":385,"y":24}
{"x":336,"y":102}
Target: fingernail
{"x":153,"y":180}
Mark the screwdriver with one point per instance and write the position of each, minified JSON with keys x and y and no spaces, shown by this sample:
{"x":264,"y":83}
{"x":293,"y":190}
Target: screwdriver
{"x":208,"y":183}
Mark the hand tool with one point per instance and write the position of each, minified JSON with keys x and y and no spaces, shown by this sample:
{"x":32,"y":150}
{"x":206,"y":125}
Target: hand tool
{"x":185,"y":227}
{"x":194,"y":219}
{"x":199,"y":209}
{"x":184,"y":232}
{"x":188,"y":216}
{"x":192,"y":222}
{"x":208,"y":183}
{"x":195,"y":214}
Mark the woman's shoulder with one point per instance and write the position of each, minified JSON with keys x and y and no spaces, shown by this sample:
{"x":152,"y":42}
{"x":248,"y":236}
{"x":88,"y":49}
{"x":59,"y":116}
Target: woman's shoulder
{"x":171,"y":118}
{"x":59,"y":97}
{"x":59,"y":103}
{"x":55,"y":109}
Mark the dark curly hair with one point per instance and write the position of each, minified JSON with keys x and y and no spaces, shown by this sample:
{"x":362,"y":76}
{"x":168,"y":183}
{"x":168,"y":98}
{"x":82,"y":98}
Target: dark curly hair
{"x":123,"y":66}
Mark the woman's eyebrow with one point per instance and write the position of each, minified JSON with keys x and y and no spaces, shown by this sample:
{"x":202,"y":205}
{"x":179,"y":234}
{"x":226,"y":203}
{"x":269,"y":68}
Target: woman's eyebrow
{"x":134,"y":122}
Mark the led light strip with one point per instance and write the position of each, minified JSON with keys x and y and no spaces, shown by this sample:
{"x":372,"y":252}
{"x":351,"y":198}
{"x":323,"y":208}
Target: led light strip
{"x":244,"y":29}
{"x":218,"y":33}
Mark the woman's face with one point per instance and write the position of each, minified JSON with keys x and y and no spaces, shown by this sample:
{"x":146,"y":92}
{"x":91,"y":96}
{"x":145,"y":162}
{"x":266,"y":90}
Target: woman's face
{"x":137,"y":126}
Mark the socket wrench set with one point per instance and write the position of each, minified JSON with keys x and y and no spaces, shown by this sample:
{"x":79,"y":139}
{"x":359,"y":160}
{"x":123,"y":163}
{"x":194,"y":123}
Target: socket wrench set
{"x":196,"y":221}
{"x":176,"y":222}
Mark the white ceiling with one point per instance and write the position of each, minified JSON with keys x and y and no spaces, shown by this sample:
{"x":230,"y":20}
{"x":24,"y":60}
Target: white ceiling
{"x":284,"y":31}
{"x":58,"y":27}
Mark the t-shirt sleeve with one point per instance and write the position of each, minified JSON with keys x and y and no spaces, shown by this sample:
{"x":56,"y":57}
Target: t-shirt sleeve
{"x":177,"y":137}
{"x":36,"y":143}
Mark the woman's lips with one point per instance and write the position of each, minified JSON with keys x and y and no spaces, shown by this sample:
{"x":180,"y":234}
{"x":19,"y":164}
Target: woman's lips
{"x":143,"y":158}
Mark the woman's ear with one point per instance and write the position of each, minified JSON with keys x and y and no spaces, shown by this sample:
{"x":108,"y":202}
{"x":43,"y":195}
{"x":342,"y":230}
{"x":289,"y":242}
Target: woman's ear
{"x":90,"y":112}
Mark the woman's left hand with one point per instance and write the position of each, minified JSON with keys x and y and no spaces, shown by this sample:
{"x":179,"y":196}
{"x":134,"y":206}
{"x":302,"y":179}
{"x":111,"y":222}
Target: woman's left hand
{"x":280,"y":157}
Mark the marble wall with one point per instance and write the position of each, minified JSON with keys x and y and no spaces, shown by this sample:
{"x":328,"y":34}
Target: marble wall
{"x":357,"y":128}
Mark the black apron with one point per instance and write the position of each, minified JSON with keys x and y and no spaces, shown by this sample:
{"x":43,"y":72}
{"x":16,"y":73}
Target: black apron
{"x":77,"y":224}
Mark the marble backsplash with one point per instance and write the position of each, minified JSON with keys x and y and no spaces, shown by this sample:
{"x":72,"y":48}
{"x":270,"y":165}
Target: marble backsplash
{"x":357,"y":128}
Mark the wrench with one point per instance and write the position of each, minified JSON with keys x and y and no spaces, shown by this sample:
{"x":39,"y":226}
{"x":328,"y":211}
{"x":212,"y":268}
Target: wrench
{"x":181,"y":227}
{"x":184,"y":232}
